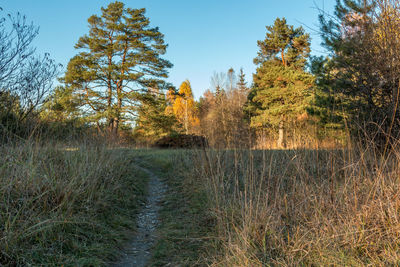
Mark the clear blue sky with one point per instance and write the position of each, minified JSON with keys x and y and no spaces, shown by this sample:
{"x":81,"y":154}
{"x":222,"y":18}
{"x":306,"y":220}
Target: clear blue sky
{"x":203,"y":36}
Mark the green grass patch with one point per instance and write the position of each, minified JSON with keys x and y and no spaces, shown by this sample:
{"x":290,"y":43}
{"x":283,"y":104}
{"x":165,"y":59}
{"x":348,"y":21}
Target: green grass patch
{"x":186,"y":226}
{"x":71,"y":207}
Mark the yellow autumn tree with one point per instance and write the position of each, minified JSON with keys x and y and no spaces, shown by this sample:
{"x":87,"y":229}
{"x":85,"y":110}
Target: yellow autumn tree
{"x":170,"y":97}
{"x":184,"y":108}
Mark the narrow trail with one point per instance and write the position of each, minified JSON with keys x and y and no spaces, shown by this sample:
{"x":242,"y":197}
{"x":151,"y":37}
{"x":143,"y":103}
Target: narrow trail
{"x":138,"y":251}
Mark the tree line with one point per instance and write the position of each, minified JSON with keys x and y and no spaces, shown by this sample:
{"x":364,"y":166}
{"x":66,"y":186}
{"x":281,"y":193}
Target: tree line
{"x":117,"y":83}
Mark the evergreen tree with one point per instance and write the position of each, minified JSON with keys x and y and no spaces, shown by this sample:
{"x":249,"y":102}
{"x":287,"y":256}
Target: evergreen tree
{"x":120,"y":61}
{"x":242,"y":84}
{"x":61,"y":105}
{"x":153,"y":120}
{"x":327,"y":105}
{"x":358,"y":85}
{"x":281,"y":91}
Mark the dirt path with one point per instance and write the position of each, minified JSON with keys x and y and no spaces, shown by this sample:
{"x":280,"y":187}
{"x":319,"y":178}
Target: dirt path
{"x":138,"y":251}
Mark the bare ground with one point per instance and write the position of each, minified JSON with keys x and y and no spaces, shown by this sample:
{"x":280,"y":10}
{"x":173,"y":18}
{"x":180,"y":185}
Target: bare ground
{"x":138,"y":251}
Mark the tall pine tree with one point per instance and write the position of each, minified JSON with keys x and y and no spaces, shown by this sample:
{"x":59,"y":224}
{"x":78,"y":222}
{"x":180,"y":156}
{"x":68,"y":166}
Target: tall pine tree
{"x":281,"y":91}
{"x":120,"y":61}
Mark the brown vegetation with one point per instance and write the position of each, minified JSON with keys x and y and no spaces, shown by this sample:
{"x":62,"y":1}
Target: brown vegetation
{"x":300,"y":207}
{"x":329,"y":196}
{"x":182,"y":141}
{"x":222,"y":119}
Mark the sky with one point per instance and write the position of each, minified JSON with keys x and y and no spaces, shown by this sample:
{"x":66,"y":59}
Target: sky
{"x":203,"y":36}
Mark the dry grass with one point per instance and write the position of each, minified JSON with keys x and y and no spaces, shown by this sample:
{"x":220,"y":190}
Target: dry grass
{"x":302,"y":207}
{"x":65,"y":206}
{"x":260,"y":208}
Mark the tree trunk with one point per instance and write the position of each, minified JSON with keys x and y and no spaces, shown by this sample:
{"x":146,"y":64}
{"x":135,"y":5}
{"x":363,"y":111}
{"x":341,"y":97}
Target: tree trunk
{"x":186,"y":117}
{"x":118,"y":111}
{"x":281,"y":136}
{"x":115,"y":127}
{"x":283,"y":58}
{"x":111,"y":125}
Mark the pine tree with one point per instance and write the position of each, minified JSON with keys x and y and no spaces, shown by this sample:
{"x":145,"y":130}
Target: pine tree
{"x":242,"y":84}
{"x":361,"y":77}
{"x":61,"y":105}
{"x":153,"y":119}
{"x":282,"y":88}
{"x":120,"y":61}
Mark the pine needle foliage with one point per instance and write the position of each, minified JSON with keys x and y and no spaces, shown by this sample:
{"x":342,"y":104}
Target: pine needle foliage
{"x":361,"y":76}
{"x":120,"y":59}
{"x":282,"y":88}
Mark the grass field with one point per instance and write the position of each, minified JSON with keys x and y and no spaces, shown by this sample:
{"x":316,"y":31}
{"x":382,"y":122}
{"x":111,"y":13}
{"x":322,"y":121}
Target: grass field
{"x":299,"y":207}
{"x":186,"y":224}
{"x":222,"y":208}
{"x":66,"y":206}
{"x":281,"y":208}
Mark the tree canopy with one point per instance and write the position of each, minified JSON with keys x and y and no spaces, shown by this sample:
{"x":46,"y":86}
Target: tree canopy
{"x":25,"y":77}
{"x":358,"y":85}
{"x":120,"y":60}
{"x":281,"y":91}
{"x":183,"y":106}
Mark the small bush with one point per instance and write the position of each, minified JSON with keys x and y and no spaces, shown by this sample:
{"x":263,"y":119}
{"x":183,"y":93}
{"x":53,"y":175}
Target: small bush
{"x":182,"y":141}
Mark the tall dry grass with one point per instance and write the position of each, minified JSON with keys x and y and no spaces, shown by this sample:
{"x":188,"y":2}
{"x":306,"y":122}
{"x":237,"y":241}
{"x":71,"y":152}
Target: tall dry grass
{"x":302,"y":207}
{"x":65,"y":206}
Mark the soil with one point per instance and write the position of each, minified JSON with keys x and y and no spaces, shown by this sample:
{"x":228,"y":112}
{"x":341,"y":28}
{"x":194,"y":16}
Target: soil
{"x":138,"y":251}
